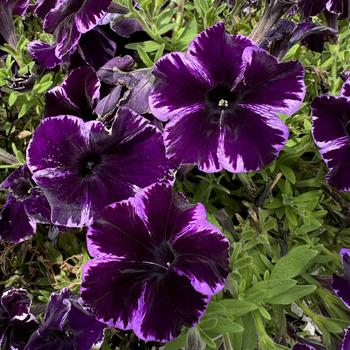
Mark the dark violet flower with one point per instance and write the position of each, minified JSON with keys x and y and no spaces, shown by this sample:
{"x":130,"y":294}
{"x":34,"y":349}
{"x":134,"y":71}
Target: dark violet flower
{"x":25,"y":206}
{"x":222,"y":105}
{"x":82,"y":167}
{"x":331,"y":133}
{"x":78,"y":95}
{"x":67,"y":21}
{"x":310,"y":8}
{"x":8,"y":9}
{"x":67,"y":326}
{"x":16,"y":322}
{"x":341,"y":284}
{"x":157,"y":261}
{"x":287,"y":33}
{"x":313,"y":36}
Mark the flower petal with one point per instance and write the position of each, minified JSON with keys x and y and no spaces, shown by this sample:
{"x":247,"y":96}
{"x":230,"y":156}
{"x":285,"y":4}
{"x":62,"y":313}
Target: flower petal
{"x":250,"y":140}
{"x":225,"y":62}
{"x":90,"y":13}
{"x":15,"y":225}
{"x":106,"y":278}
{"x":271,"y":86}
{"x":120,"y":232}
{"x":331,"y":116}
{"x":167,"y":304}
{"x":180,"y":89}
{"x":194,"y":139}
{"x":44,"y":54}
{"x":202,"y":255}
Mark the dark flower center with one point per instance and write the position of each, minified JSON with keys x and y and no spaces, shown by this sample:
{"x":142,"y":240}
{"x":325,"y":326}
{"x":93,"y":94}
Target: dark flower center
{"x":164,"y":255}
{"x":221,"y":97}
{"x":22,"y":189}
{"x":63,"y":336}
{"x":88,"y":164}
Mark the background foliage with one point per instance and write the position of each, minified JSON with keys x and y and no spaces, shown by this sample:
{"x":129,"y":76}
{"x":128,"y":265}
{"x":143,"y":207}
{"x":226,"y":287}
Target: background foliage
{"x":286,"y":225}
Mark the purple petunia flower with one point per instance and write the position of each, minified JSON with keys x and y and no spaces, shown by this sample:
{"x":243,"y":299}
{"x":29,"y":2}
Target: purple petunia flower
{"x":78,"y":95}
{"x":8,"y":9}
{"x":341,"y":284}
{"x":82,"y":167}
{"x":67,"y":326}
{"x":222,"y":105}
{"x":310,"y":8}
{"x":331,"y":133}
{"x":67,"y":20}
{"x":16,"y":322}
{"x":25,"y":206}
{"x":157,"y":261}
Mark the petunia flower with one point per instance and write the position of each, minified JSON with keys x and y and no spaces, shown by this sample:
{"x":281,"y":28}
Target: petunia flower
{"x":25,"y":206}
{"x":303,"y":347}
{"x":82,"y":167}
{"x":341,"y":284}
{"x":222,"y":105}
{"x":67,"y":20}
{"x":67,"y":326}
{"x":157,"y":261}
{"x":287,"y":33}
{"x":16,"y":321}
{"x":310,"y":8}
{"x":8,"y":9}
{"x":331,"y":133}
{"x":78,"y":95}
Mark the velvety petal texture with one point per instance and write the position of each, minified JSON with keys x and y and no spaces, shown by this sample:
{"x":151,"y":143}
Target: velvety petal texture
{"x":341,"y":284}
{"x":16,"y":321}
{"x":82,"y":167}
{"x":67,"y":20}
{"x":303,"y":347}
{"x":346,"y":340}
{"x":215,"y":103}
{"x":78,"y":95}
{"x":331,"y":121}
{"x":67,"y":326}
{"x":25,"y":206}
{"x":142,"y":264}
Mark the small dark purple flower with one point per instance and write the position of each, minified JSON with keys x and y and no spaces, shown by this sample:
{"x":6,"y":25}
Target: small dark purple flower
{"x":82,"y":167}
{"x":313,"y":36}
{"x":16,"y":322}
{"x":157,"y":261}
{"x":67,"y":21}
{"x":331,"y":133}
{"x":67,"y":326}
{"x":222,"y":105}
{"x":341,"y":284}
{"x":78,"y":95}
{"x":310,"y":8}
{"x":287,"y":33}
{"x":25,"y":206}
{"x":8,"y":9}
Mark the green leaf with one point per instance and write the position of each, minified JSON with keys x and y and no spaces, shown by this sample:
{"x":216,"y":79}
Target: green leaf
{"x":271,"y":287}
{"x":147,"y":46}
{"x":291,"y":295}
{"x":294,"y":263}
{"x":238,"y":307}
{"x":208,"y":323}
{"x":225,"y":326}
{"x":288,"y":173}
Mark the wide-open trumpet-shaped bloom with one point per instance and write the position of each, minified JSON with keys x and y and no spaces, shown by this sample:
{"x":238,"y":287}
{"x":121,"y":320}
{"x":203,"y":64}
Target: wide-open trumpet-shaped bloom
{"x":157,"y":261}
{"x":82,"y":167}
{"x":221,"y":100}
